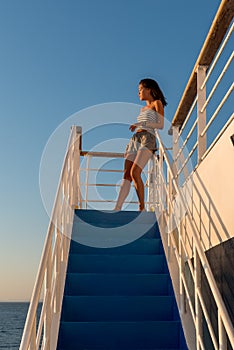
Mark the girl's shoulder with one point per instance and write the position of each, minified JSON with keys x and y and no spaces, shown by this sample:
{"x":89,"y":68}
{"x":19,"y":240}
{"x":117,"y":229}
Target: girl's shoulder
{"x":148,"y":108}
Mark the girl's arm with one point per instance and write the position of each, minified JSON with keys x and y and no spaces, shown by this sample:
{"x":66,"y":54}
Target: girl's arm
{"x":154,"y":125}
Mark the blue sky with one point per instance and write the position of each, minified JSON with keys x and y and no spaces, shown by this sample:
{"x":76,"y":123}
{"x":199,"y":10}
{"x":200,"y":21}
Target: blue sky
{"x":59,"y":57}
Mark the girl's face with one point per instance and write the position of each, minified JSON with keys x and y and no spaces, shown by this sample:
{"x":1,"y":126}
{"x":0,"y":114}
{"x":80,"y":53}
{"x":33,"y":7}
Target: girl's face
{"x":144,"y":93}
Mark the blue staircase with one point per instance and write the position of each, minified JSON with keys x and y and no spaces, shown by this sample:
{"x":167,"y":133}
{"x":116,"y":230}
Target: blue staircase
{"x":118,"y":297}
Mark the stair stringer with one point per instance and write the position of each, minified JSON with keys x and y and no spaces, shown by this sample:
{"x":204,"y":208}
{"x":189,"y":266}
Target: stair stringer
{"x":173,"y":267}
{"x":56,"y":318}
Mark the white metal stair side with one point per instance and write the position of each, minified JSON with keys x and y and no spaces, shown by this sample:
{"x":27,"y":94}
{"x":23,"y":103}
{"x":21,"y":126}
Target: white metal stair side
{"x":170,"y":203}
{"x":53,"y":264}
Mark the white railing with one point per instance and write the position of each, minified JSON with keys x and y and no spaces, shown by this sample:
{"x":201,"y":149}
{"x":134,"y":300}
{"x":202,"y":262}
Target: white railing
{"x":88,"y":199}
{"x":179,"y":216}
{"x":42,"y":322}
{"x":174,"y":218}
{"x":198,"y":121}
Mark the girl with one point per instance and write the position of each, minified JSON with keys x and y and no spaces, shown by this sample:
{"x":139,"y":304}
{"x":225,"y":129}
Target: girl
{"x":143,"y":143}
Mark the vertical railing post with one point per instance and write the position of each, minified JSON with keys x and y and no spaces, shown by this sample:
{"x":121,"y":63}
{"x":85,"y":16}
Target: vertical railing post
{"x":169,"y":199}
{"x":149,"y":186}
{"x":75,"y":201}
{"x":161,"y":176}
{"x":197,"y":286}
{"x":48,"y":286}
{"x":181,"y":262}
{"x":87,"y":181}
{"x":58,"y":270}
{"x":169,"y":196}
{"x":201,"y":115}
{"x":155,"y":183}
{"x":79,"y":132}
{"x":175,"y":151}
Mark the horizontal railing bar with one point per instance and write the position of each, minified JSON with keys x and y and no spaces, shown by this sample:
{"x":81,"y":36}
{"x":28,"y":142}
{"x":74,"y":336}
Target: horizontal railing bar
{"x":187,"y":159}
{"x":218,"y":81}
{"x":218,"y":109}
{"x":107,"y":185}
{"x":101,"y":154}
{"x":186,"y":140}
{"x":218,"y":55}
{"x":186,"y":119}
{"x":110,"y":201}
{"x":102,"y":170}
{"x":107,"y":154}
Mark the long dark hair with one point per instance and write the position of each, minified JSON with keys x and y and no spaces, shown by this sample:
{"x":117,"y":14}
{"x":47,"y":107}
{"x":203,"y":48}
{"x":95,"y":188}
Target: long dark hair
{"x":155,"y":90}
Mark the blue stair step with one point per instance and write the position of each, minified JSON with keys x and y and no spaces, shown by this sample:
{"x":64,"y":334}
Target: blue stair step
{"x":116,"y":263}
{"x":105,"y":229}
{"x":119,"y":335}
{"x":140,"y":246}
{"x":103,"y":217}
{"x":116,"y":284}
{"x":117,"y":308}
{"x":118,"y":294}
{"x":96,"y":229}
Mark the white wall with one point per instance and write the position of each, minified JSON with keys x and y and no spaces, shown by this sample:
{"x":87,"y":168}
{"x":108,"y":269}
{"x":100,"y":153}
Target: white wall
{"x":212,"y":188}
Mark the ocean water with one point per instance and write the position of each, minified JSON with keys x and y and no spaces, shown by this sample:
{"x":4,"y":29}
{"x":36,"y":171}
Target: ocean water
{"x":12,"y":320}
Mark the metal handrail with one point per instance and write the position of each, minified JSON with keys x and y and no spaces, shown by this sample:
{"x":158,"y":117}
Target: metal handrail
{"x":197,"y":250}
{"x":217,"y":81}
{"x":217,"y":32}
{"x":91,"y":154}
{"x":186,"y":119}
{"x":186,"y":140}
{"x":218,"y":109}
{"x":195,"y":92}
{"x":218,"y":55}
{"x":53,"y":261}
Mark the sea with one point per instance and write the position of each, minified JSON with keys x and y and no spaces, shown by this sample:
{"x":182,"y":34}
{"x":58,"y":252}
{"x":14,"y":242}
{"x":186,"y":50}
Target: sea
{"x":12,"y":320}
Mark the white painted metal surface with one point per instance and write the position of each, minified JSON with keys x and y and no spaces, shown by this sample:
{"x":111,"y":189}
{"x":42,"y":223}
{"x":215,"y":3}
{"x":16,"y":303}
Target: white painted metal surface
{"x":52,"y":268}
{"x":168,"y":212}
{"x":185,"y":211}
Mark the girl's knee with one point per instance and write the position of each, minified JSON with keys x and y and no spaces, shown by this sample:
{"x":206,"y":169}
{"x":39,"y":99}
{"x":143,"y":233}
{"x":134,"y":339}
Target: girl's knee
{"x":135,"y":172}
{"x":127,"y":176}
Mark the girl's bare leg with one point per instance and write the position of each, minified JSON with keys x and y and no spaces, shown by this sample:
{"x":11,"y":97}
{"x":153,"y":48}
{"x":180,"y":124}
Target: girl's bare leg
{"x":139,"y":163}
{"x":126,"y":182}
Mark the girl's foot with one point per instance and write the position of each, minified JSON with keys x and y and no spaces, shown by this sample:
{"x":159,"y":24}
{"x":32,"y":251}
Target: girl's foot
{"x":117,"y":208}
{"x":141,"y":208}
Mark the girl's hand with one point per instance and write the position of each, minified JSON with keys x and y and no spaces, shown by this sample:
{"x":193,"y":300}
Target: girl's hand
{"x":132,"y":127}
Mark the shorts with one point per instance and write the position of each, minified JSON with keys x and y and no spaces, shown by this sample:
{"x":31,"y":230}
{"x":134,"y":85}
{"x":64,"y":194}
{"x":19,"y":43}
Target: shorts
{"x":141,"y":140}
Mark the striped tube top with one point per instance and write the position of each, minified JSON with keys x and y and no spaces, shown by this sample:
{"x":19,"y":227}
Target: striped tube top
{"x":147,"y":115}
